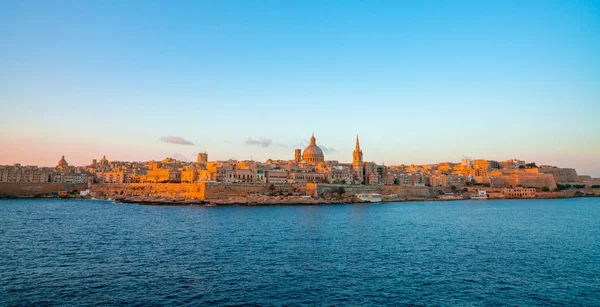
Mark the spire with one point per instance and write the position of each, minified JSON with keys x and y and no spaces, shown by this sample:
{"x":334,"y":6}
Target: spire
{"x":313,"y":141}
{"x":357,"y":145}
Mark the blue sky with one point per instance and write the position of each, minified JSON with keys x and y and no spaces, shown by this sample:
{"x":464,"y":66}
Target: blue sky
{"x":419,"y":81}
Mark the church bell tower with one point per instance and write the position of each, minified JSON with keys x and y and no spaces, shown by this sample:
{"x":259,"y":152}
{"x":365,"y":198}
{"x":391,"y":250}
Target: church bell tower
{"x":357,"y":161}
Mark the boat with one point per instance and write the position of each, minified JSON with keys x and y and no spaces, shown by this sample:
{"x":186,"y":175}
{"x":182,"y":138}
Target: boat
{"x":369,"y":197}
{"x":374,"y":197}
{"x":480,"y":195}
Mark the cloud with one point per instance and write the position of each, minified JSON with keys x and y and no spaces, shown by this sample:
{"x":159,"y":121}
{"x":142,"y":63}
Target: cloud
{"x":327,"y":149}
{"x":175,"y":140}
{"x":302,"y":144}
{"x":263,"y":142}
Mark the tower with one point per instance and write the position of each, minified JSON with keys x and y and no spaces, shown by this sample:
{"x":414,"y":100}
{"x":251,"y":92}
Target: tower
{"x":202,"y":157}
{"x":357,"y":161}
{"x":297,"y":154}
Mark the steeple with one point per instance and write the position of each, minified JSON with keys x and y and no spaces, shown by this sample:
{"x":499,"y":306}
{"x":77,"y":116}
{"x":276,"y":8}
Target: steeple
{"x":313,"y":141}
{"x":357,"y":162}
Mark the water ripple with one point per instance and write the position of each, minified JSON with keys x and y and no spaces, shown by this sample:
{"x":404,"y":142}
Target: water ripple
{"x":71,"y":252}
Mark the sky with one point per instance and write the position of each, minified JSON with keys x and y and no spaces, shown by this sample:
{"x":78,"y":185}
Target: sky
{"x":419,"y":81}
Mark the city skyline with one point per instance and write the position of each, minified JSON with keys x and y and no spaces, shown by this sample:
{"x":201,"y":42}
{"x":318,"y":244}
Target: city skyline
{"x":421,"y":83}
{"x":298,"y":156}
{"x":264,"y":145}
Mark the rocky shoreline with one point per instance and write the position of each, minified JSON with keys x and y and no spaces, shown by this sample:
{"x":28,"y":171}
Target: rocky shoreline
{"x":292,"y":201}
{"x":236,"y":202}
{"x":276,"y":200}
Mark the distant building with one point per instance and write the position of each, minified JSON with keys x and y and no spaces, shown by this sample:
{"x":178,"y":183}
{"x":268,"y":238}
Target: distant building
{"x":163,"y":175}
{"x":112,"y":177}
{"x":202,"y":157}
{"x":297,"y":155}
{"x":519,"y":193}
{"x":305,"y":178}
{"x":277,"y":176}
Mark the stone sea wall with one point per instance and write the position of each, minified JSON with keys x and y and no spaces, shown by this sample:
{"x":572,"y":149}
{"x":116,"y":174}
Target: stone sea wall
{"x":562,"y":175}
{"x":8,"y":189}
{"x":409,"y":191}
{"x":215,"y":191}
{"x":324,"y":189}
{"x":200,"y":191}
{"x":531,"y":181}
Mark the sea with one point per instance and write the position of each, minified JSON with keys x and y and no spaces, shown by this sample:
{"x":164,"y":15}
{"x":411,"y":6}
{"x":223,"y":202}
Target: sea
{"x":451,"y":253}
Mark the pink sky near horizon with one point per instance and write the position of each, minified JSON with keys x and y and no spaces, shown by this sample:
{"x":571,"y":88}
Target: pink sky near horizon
{"x":47,"y":152}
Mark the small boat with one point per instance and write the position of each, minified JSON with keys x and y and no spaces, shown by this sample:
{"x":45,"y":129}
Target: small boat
{"x":480,"y":195}
{"x":369,"y":197}
{"x":374,"y":197}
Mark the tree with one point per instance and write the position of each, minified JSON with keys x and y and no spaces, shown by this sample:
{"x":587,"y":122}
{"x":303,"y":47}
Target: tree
{"x":545,"y":189}
{"x":453,"y":188}
{"x":530,"y":165}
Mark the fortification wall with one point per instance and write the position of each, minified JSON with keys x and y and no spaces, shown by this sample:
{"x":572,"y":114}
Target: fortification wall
{"x":231,"y":190}
{"x":200,"y":191}
{"x":562,"y":175}
{"x":408,"y":191}
{"x":531,"y":180}
{"x":323,"y":189}
{"x":589,"y":181}
{"x":9,"y":189}
{"x":166,"y":190}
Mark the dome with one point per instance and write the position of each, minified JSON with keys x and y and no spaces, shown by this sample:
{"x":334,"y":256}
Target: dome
{"x":312,"y":153}
{"x":62,"y":162}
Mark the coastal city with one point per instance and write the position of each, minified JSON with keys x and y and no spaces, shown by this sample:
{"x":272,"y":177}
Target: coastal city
{"x":306,"y":177}
{"x":300,"y":153}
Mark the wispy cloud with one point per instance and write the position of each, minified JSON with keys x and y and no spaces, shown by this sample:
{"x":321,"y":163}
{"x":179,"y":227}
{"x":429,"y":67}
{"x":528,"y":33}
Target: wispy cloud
{"x":263,"y":142}
{"x":175,"y":140}
{"x":327,"y":149}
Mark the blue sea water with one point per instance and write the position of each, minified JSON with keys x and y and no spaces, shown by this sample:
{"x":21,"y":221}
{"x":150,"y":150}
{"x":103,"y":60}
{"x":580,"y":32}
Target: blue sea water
{"x":84,"y":252}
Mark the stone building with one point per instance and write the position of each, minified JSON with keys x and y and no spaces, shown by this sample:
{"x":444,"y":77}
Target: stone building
{"x":202,"y":157}
{"x":277,"y":176}
{"x":163,"y":175}
{"x":305,"y":178}
{"x":519,"y":193}
{"x":18,"y":173}
{"x":112,"y":177}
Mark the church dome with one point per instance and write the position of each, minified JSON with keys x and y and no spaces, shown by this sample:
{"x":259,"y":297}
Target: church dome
{"x":313,"y":153}
{"x":62,"y":162}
